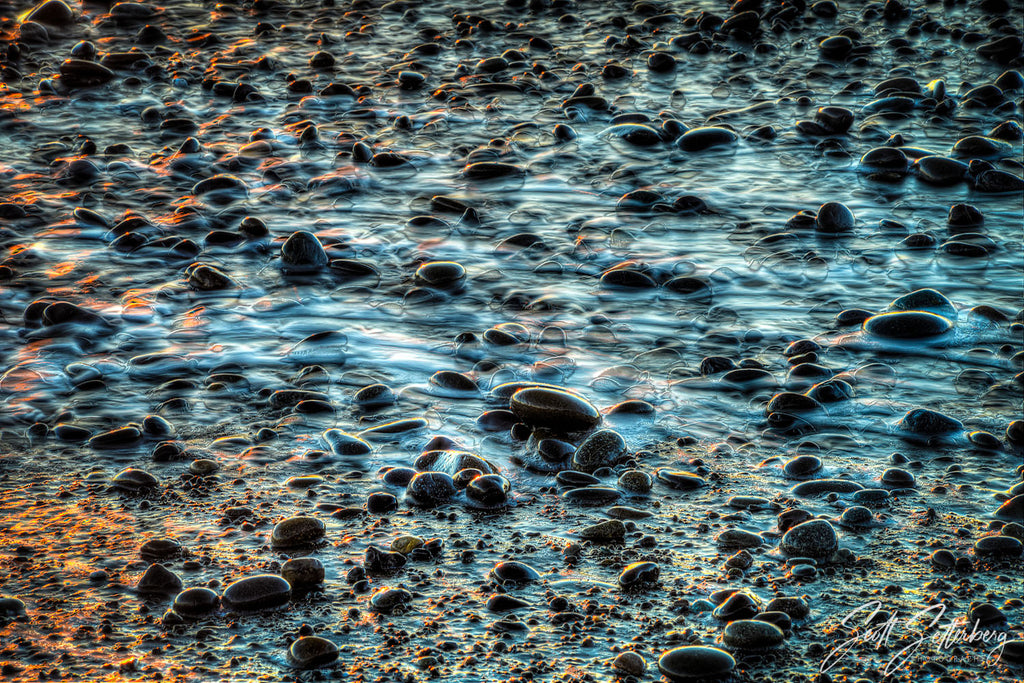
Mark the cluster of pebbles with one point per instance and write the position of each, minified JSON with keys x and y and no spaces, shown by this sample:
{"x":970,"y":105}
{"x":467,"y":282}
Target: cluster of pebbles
{"x":510,"y":340}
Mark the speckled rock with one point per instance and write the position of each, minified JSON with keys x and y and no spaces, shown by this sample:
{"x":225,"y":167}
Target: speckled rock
{"x":816,"y":538}
{"x":601,"y":449}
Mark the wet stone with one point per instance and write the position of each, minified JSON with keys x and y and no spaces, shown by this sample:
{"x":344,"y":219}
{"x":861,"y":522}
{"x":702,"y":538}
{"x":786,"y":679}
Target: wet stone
{"x":196,"y":601}
{"x":263,"y":591}
{"x":297,"y":532}
{"x":630,"y":664}
{"x":302,"y":252}
{"x":695,"y":662}
{"x":748,"y":634}
{"x":907,"y":325}
{"x":639,"y":576}
{"x":635,"y":481}
{"x":431,"y":489}
{"x":160,"y":549}
{"x":303,"y":572}
{"x":738,"y":538}
{"x":699,"y":139}
{"x":998,"y":546}
{"x":389,"y":600}
{"x":922,"y":421}
{"x":738,"y":605}
{"x":601,"y":449}
{"x":134,"y":481}
{"x":159,"y":580}
{"x":816,"y":538}
{"x":312,"y":652}
{"x":555,"y":409}
{"x":611,"y":531}
{"x":680,"y":480}
{"x":513,"y":573}
{"x":834,"y":218}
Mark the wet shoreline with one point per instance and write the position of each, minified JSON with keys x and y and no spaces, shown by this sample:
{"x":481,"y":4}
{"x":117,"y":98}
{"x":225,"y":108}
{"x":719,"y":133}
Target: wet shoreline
{"x":523,"y":341}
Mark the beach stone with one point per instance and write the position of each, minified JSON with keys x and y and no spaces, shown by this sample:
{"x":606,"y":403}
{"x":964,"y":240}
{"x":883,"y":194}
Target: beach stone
{"x":907,"y":325}
{"x":312,"y":652}
{"x":981,"y":147}
{"x":1012,"y":509}
{"x":940,"y":170}
{"x":440,"y":274}
{"x":302,"y":252}
{"x":856,"y":516}
{"x":835,"y":47}
{"x":886,"y":160}
{"x":943,"y":559}
{"x":815,"y":538}
{"x":626,"y":512}
{"x":601,"y":449}
{"x":554,"y":409}
{"x":1012,"y":652}
{"x":452,"y":461}
{"x":343,"y":443}
{"x":134,"y":480}
{"x":898,"y":478}
{"x":998,"y":546}
{"x":374,"y":396}
{"x":924,"y":300}
{"x":382,"y":562}
{"x":206,"y":278}
{"x":431,"y":489}
{"x":591,"y":495}
{"x":159,"y":580}
{"x":680,"y":480}
{"x":802,"y":466}
{"x":297,"y":531}
{"x":790,"y":402}
{"x":196,"y":601}
{"x":695,"y":662}
{"x":388,"y":600}
{"x":635,"y":481}
{"x":749,"y":634}
{"x":11,"y":607}
{"x":834,"y":218}
{"x":302,"y":572}
{"x":610,"y":531}
{"x":122,"y":437}
{"x":52,"y":13}
{"x":793,"y":606}
{"x":630,"y":664}
{"x":836,"y":120}
{"x":513,"y":572}
{"x":80,"y":73}
{"x":699,"y":139}
{"x":996,"y":181}
{"x":738,"y":538}
{"x":262,"y":591}
{"x":639,"y":575}
{"x":160,"y":549}
{"x":926,"y":422}
{"x":489,"y":490}
{"x":738,"y":605}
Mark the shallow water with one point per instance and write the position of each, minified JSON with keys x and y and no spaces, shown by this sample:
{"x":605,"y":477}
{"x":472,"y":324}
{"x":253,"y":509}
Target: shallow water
{"x":534,"y":247}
